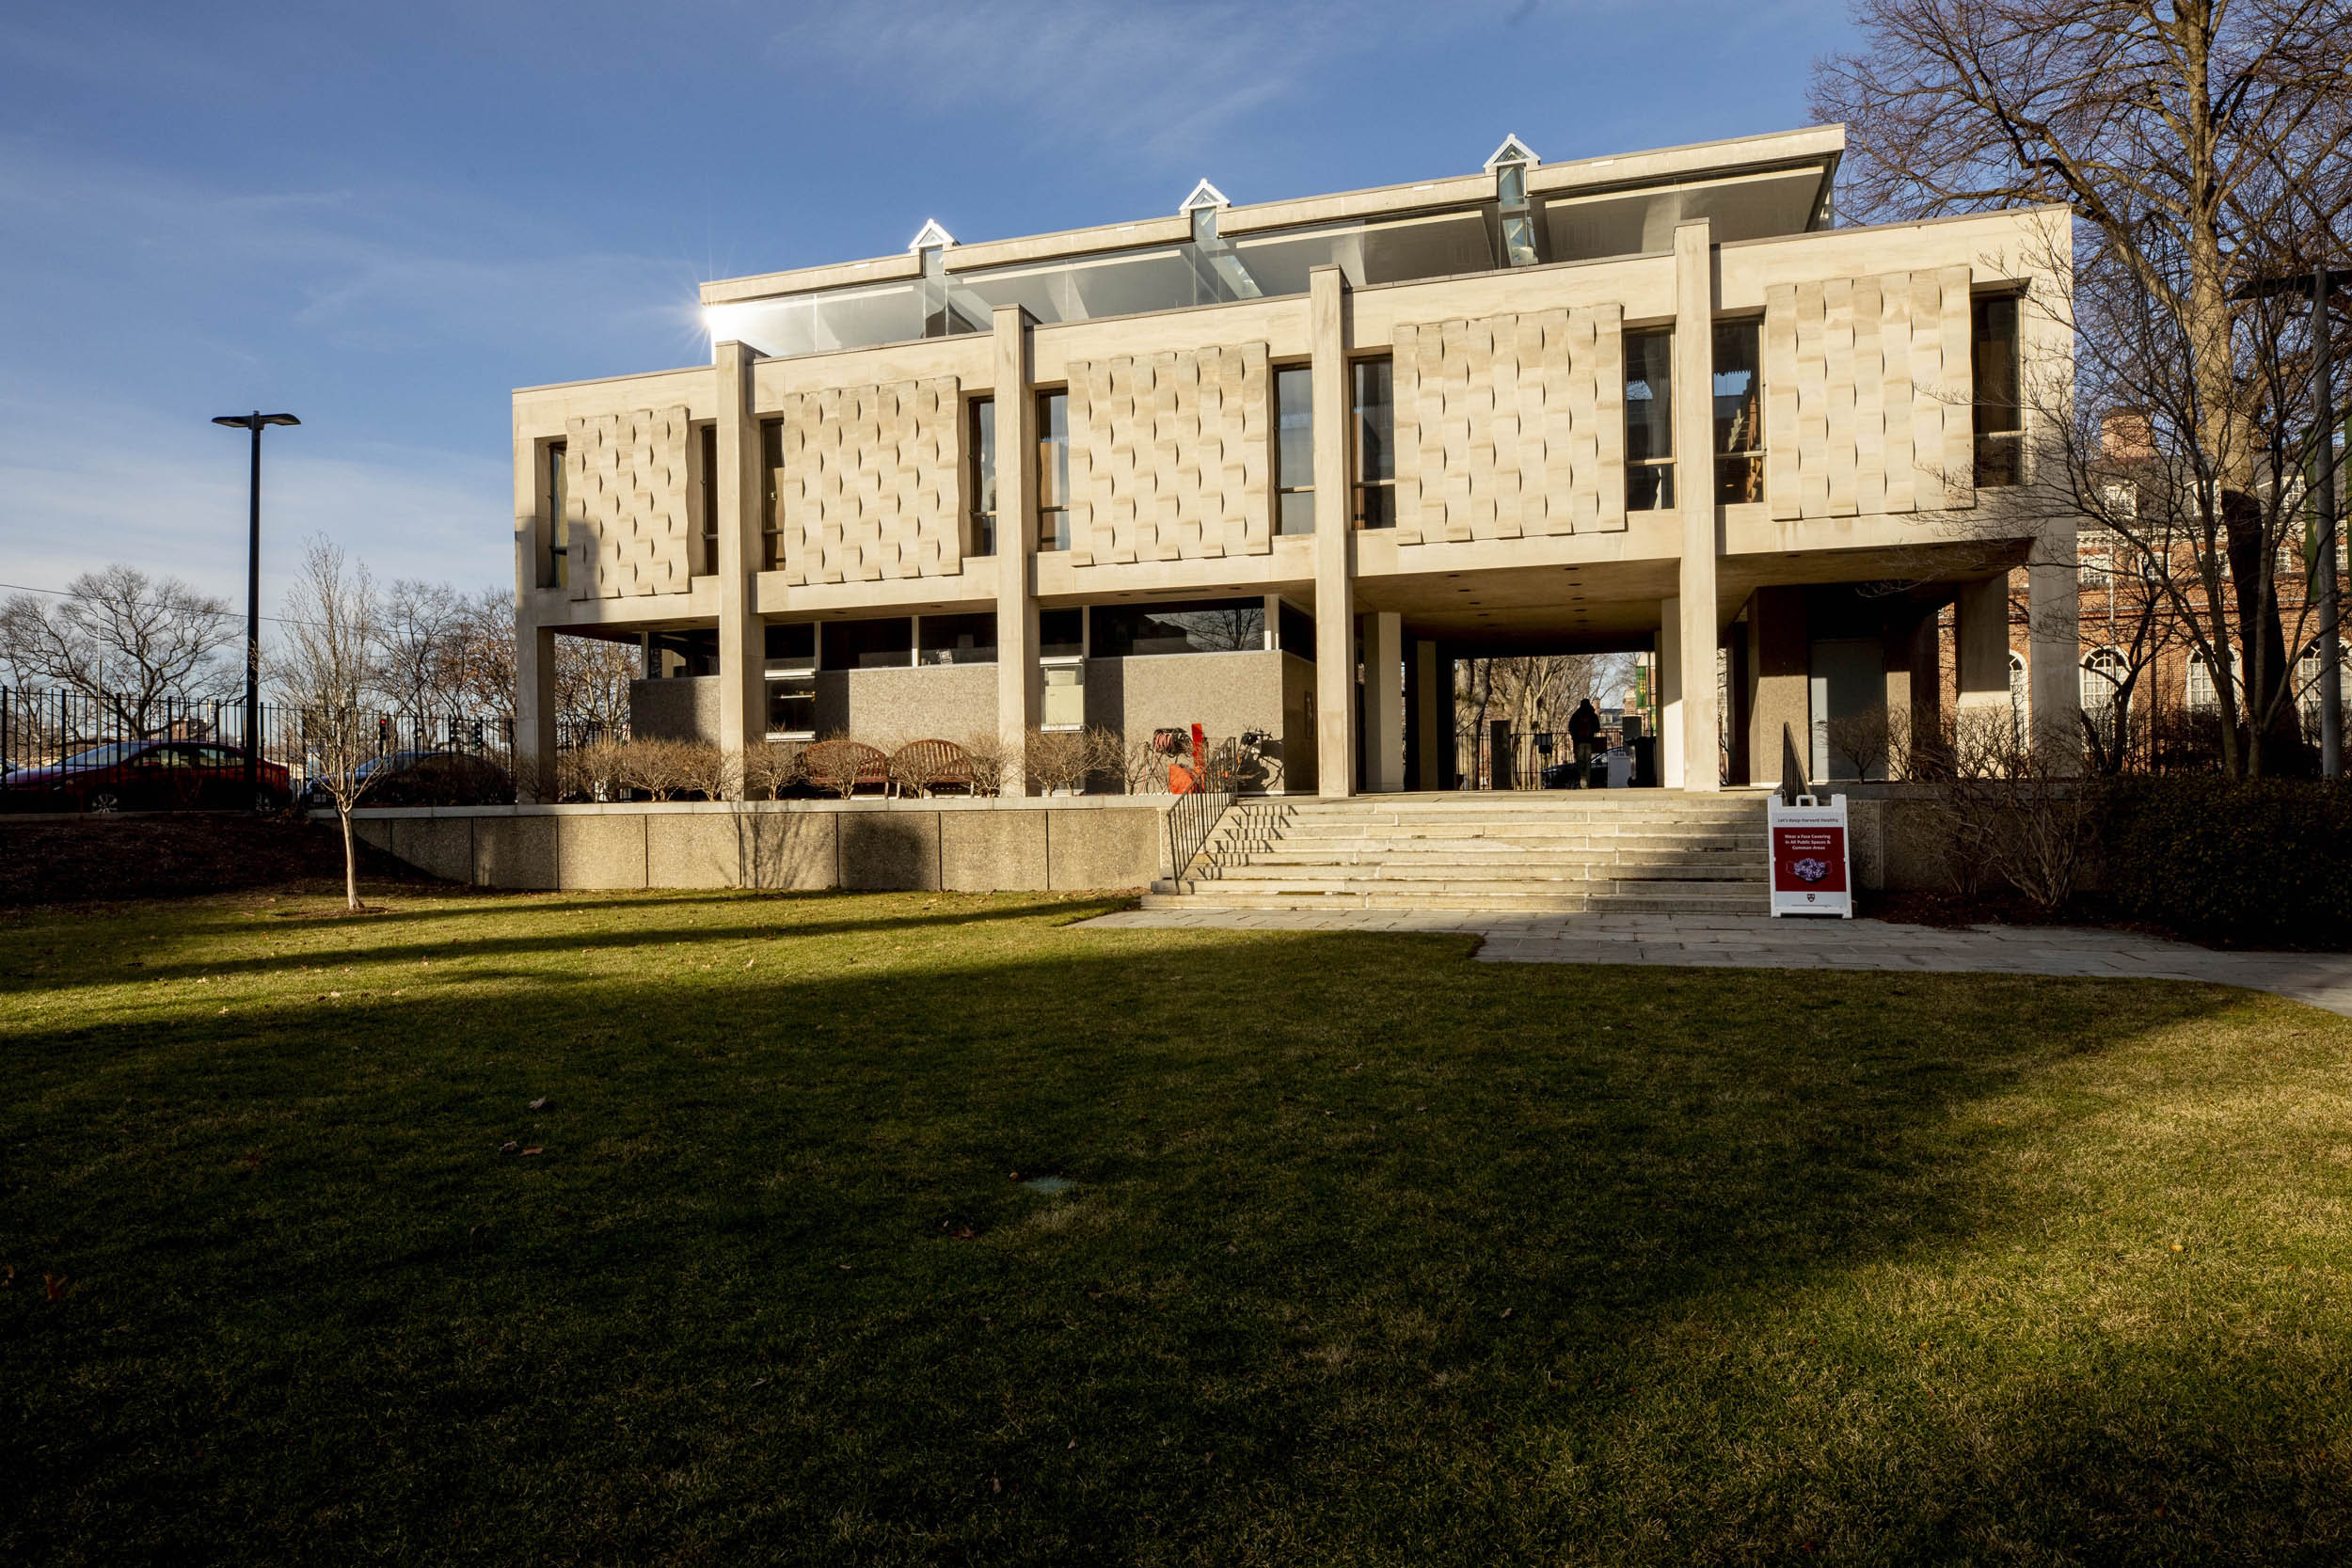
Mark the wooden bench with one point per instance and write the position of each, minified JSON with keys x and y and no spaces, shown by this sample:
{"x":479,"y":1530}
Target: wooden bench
{"x":842,"y":766}
{"x":923,"y":766}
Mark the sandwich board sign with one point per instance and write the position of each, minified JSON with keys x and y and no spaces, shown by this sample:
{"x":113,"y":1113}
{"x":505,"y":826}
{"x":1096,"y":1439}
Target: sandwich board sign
{"x":1811,"y":871}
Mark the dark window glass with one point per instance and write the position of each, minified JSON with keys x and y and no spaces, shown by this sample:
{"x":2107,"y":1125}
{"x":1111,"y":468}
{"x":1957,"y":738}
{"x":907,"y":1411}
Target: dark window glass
{"x":1738,"y":415}
{"x":1200,"y":627}
{"x":1294,"y":450}
{"x":1061,"y":633}
{"x":2000,"y":410}
{"x":792,"y":704}
{"x":695,"y":652}
{"x":708,"y":553}
{"x":984,"y":476}
{"x":791,"y":643}
{"x":1375,"y":444}
{"x":1053,"y":471}
{"x":885,"y":644}
{"x":1297,"y":629}
{"x":558,"y":520}
{"x":1650,"y":424}
{"x":959,"y":638}
{"x":770,"y":502}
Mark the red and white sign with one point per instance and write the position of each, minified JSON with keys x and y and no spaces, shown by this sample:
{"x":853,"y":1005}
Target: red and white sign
{"x":1811,"y":872}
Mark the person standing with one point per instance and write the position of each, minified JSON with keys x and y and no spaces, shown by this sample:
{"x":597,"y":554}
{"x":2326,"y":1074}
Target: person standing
{"x":1583,"y":727}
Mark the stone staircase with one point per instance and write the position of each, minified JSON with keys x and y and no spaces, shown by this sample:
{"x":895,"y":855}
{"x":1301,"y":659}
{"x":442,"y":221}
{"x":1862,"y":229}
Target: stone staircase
{"x":1551,"y":852}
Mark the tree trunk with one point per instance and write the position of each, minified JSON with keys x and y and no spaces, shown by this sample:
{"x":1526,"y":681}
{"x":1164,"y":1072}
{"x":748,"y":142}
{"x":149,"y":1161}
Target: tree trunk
{"x":351,"y":859}
{"x":2274,"y":731}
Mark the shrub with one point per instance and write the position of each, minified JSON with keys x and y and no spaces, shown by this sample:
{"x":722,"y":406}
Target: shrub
{"x":670,"y":770}
{"x":596,"y":772}
{"x":773,"y":767}
{"x":2255,"y":861}
{"x":1059,"y":759}
{"x":988,"y":754}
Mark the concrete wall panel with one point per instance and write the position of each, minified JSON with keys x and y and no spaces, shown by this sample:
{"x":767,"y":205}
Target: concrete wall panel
{"x":1111,"y":848}
{"x":684,"y":708}
{"x":515,"y":851}
{"x":438,"y":846}
{"x":694,"y":849}
{"x":599,"y":851}
{"x":983,"y":851}
{"x":788,"y":850}
{"x":886,"y":850}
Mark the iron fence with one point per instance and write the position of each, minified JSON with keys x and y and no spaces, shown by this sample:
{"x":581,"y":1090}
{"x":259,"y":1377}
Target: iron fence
{"x":71,"y":751}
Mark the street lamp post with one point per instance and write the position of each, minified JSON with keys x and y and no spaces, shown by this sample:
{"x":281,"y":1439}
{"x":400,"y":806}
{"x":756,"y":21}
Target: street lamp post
{"x":253,"y":421}
{"x":2319,"y":283}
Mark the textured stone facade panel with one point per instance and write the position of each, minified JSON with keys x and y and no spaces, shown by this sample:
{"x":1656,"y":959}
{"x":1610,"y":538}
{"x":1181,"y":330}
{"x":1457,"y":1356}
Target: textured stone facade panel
{"x":1171,"y":457}
{"x":1867,"y":395}
{"x":626,"y":498}
{"x":871,"y":483}
{"x":1510,"y":427}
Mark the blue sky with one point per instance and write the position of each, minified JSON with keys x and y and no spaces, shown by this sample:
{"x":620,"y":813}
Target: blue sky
{"x":385,"y":217}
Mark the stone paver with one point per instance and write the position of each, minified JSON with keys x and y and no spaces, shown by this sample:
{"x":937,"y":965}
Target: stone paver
{"x":2321,"y":979}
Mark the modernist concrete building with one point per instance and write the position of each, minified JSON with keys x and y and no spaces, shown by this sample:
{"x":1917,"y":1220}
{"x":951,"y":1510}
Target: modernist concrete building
{"x":1277,"y":467}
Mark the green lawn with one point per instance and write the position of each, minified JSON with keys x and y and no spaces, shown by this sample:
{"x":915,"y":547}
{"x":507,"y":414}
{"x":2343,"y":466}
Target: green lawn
{"x":1374,"y":1255}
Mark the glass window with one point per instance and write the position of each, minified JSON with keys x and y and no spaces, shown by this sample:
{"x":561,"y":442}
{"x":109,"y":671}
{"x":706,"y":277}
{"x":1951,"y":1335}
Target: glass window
{"x":558,"y":520}
{"x":881,"y":644}
{"x":1510,"y":184}
{"x":1294,"y":450}
{"x":1297,"y":629}
{"x":1739,"y":414}
{"x":683,"y":653}
{"x":1053,"y":471}
{"x":770,"y":498}
{"x":984,"y":476}
{"x":2000,"y":412}
{"x":791,"y":706}
{"x":1061,"y":633}
{"x":958,"y":639}
{"x":707,"y":553}
{"x":1376,"y":443}
{"x":791,"y":645}
{"x":1065,"y":697}
{"x":1196,"y":626}
{"x":1649,"y":421}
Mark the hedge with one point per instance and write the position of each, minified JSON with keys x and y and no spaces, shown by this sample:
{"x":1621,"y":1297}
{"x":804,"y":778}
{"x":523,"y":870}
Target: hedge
{"x":2263,"y":862}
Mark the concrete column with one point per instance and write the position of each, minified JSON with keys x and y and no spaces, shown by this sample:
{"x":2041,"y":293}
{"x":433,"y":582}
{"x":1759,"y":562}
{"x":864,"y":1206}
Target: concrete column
{"x":1335,"y":586}
{"x":1018,"y":688}
{"x":1423,"y":766}
{"x":1779,"y":692}
{"x":1914,"y":680}
{"x":1695,"y":491}
{"x":742,"y":635}
{"x":1672,"y":733}
{"x":1448,"y":729}
{"x":1980,"y":635}
{"x":1384,"y":703}
{"x":2054,"y":661}
{"x":534,"y":710}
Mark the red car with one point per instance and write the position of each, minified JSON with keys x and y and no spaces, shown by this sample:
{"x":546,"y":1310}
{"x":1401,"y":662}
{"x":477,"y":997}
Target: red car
{"x":147,"y":775}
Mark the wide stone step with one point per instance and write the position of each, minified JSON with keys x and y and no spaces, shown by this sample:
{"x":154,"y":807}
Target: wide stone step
{"x":1489,"y":904}
{"x":1487,"y":863}
{"x":1219,"y":887}
{"x":1442,"y":871}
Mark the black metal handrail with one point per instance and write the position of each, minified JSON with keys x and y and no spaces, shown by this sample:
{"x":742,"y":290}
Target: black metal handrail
{"x":1194,"y":816}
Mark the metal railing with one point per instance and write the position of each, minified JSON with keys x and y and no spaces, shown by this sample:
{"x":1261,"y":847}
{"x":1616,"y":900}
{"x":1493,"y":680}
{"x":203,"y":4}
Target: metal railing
{"x":1193,"y":817}
{"x":109,"y":746}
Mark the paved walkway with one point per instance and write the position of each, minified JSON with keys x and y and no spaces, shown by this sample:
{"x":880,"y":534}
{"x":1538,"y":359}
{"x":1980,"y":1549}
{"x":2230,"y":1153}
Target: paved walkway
{"x":1754,"y":941}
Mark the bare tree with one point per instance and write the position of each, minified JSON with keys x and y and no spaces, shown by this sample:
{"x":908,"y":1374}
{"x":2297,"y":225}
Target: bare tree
{"x":592,"y":676}
{"x":328,"y":661}
{"x":420,"y":645}
{"x":2201,"y":144}
{"x":126,"y":640}
{"x":481,"y":673}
